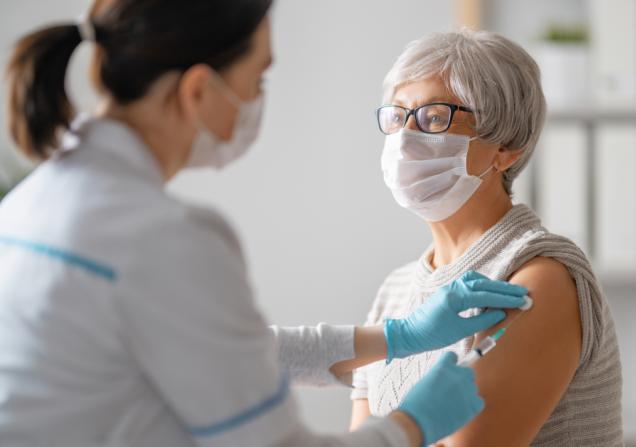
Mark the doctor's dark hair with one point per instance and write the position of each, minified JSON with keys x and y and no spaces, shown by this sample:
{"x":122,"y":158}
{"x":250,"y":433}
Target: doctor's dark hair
{"x":137,"y":41}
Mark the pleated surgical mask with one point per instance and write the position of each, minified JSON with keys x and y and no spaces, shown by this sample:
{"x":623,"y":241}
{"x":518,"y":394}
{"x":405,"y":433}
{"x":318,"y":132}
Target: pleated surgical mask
{"x":427,"y":172}
{"x":209,"y":151}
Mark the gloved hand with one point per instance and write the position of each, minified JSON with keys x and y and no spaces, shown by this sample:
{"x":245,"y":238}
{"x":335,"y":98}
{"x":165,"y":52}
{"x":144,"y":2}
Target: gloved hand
{"x":436,"y":323}
{"x":444,"y":400}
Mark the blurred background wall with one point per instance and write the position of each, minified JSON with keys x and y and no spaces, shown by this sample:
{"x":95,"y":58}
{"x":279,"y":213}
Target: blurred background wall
{"x":320,"y":228}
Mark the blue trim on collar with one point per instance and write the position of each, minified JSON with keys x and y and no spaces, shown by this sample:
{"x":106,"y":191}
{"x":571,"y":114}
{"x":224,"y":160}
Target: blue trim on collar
{"x":246,"y":416}
{"x":68,"y":257}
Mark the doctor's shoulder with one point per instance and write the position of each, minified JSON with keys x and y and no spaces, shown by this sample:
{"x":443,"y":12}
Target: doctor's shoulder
{"x":212,"y":222}
{"x":184,"y":244}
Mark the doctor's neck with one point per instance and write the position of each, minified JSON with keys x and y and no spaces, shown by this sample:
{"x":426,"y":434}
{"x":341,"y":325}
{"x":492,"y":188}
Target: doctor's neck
{"x":453,"y":236}
{"x":168,"y":141}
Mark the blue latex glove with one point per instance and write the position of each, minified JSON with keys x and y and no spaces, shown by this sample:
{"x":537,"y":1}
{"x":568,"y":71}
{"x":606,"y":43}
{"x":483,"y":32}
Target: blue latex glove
{"x":436,"y":323}
{"x":444,"y":400}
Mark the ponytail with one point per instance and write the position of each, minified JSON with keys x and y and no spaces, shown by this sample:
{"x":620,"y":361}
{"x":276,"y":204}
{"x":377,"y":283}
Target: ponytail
{"x":137,"y":41}
{"x":38,"y":105}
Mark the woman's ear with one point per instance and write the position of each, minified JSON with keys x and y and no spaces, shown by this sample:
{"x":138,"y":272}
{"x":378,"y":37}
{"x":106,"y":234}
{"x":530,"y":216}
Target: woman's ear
{"x":203,"y":103}
{"x":192,"y":92}
{"x":506,"y":158}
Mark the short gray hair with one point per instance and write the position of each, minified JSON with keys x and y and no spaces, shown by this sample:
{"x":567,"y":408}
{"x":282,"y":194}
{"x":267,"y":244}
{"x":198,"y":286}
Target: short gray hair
{"x":490,"y":74}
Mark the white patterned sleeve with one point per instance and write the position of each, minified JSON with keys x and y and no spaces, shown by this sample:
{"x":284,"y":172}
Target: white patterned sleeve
{"x":307,"y":353}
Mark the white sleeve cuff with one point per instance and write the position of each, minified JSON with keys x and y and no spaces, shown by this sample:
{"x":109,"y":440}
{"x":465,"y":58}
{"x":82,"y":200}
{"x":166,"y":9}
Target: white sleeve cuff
{"x":307,"y":353}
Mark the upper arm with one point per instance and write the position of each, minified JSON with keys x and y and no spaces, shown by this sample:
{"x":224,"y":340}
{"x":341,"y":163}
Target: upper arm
{"x":525,"y":376}
{"x":359,"y":413}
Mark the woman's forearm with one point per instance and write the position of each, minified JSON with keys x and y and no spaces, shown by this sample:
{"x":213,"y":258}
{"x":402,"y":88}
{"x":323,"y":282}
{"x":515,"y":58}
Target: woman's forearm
{"x":369,"y":346}
{"x":327,"y":354}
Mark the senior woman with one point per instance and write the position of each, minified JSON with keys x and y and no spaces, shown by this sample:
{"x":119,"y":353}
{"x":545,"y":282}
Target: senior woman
{"x":463,"y":112}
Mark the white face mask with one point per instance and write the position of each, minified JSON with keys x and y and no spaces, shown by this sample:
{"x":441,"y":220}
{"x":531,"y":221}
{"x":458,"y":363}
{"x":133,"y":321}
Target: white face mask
{"x":427,"y":172}
{"x":208,"y":151}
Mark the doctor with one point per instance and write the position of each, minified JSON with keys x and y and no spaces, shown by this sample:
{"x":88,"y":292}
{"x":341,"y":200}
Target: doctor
{"x":126,"y":317}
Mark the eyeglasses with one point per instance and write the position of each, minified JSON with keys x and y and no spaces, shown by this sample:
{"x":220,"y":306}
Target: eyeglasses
{"x":430,"y":118}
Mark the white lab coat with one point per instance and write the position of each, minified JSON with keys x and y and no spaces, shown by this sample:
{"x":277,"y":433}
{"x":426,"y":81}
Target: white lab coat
{"x":127,"y":319}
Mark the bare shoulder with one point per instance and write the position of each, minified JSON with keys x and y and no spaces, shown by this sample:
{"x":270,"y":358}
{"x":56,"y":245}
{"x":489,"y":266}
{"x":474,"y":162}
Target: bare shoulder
{"x":545,"y":275}
{"x":525,"y":376}
{"x":555,"y":316}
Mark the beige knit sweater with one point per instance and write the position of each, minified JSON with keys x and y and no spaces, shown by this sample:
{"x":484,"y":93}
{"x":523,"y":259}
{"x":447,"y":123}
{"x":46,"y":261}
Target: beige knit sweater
{"x":589,"y":413}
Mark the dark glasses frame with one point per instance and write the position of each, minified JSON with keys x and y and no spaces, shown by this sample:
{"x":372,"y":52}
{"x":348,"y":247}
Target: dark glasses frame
{"x":453,"y":108}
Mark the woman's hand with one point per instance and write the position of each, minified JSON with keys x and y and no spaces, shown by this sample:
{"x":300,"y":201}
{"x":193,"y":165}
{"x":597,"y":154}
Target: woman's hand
{"x":437,"y":322}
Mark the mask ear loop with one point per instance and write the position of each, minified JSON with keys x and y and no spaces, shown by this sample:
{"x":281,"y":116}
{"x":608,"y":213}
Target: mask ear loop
{"x":487,"y":171}
{"x":491,"y":167}
{"x":218,"y":80}
{"x":229,"y":93}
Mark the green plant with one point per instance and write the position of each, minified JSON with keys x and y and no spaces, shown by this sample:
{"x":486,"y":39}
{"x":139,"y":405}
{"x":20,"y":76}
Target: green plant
{"x":560,"y":33}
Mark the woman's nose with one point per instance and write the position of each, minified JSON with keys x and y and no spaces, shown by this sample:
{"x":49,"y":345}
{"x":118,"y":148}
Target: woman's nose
{"x":411,"y":123}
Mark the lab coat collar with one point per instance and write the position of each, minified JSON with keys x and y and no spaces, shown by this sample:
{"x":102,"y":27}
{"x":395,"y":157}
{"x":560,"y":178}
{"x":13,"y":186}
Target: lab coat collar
{"x":104,"y":134}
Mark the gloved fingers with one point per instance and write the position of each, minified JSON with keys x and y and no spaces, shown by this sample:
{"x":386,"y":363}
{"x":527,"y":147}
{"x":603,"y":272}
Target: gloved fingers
{"x":471,"y":392}
{"x":489,"y":299}
{"x":478,"y":405}
{"x":483,"y":321}
{"x":472,"y":275}
{"x":447,"y":359}
{"x":467,"y":374}
{"x":501,"y":287}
